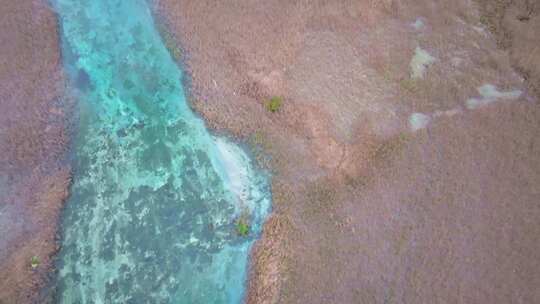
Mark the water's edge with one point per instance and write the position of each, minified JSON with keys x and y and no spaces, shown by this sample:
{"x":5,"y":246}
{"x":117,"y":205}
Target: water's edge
{"x":258,"y":262}
{"x":78,"y":265}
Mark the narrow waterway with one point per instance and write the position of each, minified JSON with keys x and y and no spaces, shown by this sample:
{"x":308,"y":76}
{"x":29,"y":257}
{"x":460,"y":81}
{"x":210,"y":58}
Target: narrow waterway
{"x":155,"y":197}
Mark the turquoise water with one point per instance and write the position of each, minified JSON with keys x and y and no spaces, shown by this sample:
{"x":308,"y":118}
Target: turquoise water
{"x":155,"y":197}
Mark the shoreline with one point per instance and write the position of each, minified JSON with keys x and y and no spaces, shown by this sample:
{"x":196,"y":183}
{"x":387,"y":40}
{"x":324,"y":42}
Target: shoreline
{"x":334,"y":219}
{"x":262,"y":268}
{"x":332,"y":161}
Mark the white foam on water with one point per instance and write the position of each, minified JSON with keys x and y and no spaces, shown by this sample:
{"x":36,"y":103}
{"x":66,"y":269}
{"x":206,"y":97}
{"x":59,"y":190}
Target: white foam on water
{"x":234,"y":164}
{"x":420,"y":62}
{"x":241,"y":178}
{"x":418,"y":121}
{"x":490,"y":94}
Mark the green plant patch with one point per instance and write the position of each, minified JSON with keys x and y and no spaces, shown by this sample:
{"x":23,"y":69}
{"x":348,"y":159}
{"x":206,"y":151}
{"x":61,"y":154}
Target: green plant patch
{"x":34,"y":262}
{"x":242,"y":228}
{"x":274,"y":104}
{"x":409,"y":85}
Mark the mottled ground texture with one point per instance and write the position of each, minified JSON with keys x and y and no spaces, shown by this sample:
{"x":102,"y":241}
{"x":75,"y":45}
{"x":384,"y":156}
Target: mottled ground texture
{"x":515,"y":24}
{"x":396,"y":180}
{"x":33,"y":183}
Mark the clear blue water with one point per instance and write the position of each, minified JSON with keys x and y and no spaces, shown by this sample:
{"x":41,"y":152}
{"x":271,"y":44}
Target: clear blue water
{"x":155,"y":196}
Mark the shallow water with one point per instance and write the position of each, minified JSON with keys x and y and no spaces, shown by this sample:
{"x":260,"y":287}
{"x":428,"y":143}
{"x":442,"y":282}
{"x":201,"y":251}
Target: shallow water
{"x":151,"y":216}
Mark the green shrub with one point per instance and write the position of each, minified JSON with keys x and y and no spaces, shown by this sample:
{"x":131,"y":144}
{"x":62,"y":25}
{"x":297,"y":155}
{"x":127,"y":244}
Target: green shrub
{"x":34,"y":262}
{"x":274,"y":104}
{"x":409,"y":85}
{"x":242,"y":227}
{"x":259,"y":139}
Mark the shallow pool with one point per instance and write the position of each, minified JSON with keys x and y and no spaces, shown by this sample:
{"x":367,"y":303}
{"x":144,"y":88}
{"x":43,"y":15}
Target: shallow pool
{"x":155,"y":197}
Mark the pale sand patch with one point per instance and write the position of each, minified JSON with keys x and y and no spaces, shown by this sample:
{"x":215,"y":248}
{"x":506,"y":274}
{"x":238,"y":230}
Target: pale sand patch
{"x":448,"y":113}
{"x":491,"y":94}
{"x":420,"y":62}
{"x":418,"y":121}
{"x":418,"y":24}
